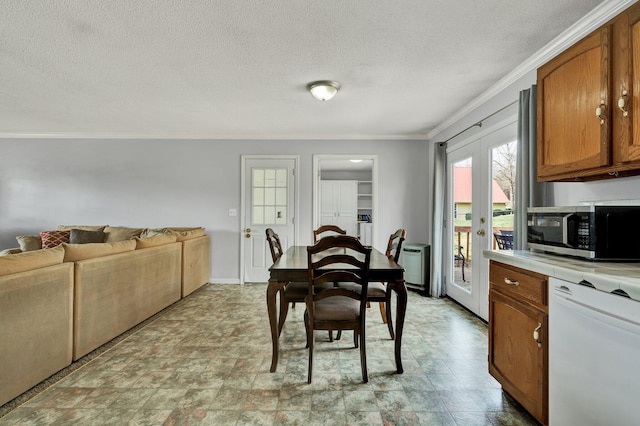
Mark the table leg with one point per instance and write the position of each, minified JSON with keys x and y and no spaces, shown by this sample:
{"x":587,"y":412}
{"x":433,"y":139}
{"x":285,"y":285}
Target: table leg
{"x":273,"y":288}
{"x":401,"y":308}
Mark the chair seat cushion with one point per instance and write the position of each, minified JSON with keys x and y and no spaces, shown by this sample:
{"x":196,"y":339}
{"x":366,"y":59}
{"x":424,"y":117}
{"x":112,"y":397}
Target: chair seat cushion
{"x":337,"y":308}
{"x":297,"y":291}
{"x":374,"y":290}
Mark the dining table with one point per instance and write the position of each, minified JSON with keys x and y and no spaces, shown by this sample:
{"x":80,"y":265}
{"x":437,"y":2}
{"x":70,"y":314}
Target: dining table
{"x":292,"y":267}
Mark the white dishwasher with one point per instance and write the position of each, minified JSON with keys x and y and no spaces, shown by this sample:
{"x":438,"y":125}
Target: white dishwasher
{"x":594,"y":356}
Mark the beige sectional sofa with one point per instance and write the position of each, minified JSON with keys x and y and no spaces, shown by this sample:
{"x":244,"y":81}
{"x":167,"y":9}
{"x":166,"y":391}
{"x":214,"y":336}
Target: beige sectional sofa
{"x":36,"y":320}
{"x":59,"y":304}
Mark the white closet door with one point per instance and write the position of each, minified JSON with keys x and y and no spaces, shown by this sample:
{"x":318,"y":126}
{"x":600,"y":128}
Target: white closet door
{"x":339,"y":204}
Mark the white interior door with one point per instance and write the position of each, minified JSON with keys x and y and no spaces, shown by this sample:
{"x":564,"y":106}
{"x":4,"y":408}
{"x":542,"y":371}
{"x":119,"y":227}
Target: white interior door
{"x":269,"y":201}
{"x":480,"y":190}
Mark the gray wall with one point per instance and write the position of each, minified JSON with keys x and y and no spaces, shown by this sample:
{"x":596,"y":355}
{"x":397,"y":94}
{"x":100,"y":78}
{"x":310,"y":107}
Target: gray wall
{"x":157,"y":183}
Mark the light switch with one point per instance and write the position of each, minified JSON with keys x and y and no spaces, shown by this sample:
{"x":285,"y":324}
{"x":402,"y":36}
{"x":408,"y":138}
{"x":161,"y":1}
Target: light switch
{"x":233,"y":212}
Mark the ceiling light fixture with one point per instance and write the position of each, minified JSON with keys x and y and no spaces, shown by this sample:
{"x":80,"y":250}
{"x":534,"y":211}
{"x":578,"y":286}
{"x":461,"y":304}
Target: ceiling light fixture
{"x":323,"y":90}
{"x":356,"y":161}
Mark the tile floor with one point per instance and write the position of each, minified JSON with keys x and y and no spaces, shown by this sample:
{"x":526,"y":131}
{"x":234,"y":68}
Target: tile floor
{"x":206,"y":361}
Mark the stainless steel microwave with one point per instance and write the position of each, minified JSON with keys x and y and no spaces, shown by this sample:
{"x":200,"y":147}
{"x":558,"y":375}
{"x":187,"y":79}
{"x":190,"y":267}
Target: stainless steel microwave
{"x":592,"y":232}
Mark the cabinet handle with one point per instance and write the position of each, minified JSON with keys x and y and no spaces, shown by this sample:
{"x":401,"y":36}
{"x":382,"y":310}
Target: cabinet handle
{"x":511,"y":282}
{"x":536,"y":335}
{"x":622,"y":102}
{"x":600,"y":112}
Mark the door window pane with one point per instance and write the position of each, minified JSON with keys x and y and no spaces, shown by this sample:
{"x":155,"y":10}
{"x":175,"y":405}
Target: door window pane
{"x":462,"y":199}
{"x":269,"y":189}
{"x":503,"y":175}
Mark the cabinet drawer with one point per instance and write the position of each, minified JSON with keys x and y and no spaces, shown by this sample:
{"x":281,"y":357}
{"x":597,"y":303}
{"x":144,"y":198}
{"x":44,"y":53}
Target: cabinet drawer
{"x":518,"y":282}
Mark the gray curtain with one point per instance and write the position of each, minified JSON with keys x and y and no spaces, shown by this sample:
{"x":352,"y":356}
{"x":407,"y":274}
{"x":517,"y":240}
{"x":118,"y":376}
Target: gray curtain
{"x":437,"y":288}
{"x":529,"y":192}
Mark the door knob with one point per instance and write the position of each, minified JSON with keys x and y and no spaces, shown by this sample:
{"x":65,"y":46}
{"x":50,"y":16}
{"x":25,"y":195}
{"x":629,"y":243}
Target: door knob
{"x":480,"y":232}
{"x":248,"y":230}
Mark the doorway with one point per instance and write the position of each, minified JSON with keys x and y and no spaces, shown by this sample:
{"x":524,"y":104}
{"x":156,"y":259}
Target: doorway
{"x":345,"y":194}
{"x":480,"y":191}
{"x":269,"y":194}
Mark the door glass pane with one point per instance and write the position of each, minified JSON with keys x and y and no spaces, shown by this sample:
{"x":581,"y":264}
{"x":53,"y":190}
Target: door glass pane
{"x":462,"y":198}
{"x":269,"y":189}
{"x":503,"y":187}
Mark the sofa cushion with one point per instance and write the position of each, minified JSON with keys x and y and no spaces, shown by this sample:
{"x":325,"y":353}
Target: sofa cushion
{"x":83,"y":227}
{"x":29,"y":242}
{"x":76,"y":252}
{"x":188,"y":234}
{"x":80,"y":236}
{"x":29,"y":260}
{"x":54,"y":238}
{"x":157,"y":240}
{"x":117,"y":233}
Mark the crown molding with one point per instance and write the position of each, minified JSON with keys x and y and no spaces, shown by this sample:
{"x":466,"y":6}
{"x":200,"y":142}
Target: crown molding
{"x":604,"y":12}
{"x":64,"y":135}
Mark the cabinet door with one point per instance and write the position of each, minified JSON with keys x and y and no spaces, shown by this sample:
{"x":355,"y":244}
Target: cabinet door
{"x":572,"y":140}
{"x":339,"y":204}
{"x":328,"y":201}
{"x":348,"y":206}
{"x":626,"y":89}
{"x":515,"y":359}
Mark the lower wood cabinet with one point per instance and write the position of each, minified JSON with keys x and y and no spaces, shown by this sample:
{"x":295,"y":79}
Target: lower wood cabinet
{"x":518,"y":329}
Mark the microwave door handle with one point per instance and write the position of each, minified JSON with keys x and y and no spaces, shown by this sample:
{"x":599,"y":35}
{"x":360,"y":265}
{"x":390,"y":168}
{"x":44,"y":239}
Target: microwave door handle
{"x":572,"y":217}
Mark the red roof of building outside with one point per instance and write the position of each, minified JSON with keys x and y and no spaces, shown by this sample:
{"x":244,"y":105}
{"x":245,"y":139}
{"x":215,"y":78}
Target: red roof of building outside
{"x":462,"y":187}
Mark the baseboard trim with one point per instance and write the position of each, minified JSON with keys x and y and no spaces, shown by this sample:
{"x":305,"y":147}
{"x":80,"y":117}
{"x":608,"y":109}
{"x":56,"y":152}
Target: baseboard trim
{"x":224,"y":281}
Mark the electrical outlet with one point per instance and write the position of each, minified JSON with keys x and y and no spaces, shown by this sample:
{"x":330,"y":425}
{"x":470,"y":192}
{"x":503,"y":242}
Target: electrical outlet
{"x":233,"y":212}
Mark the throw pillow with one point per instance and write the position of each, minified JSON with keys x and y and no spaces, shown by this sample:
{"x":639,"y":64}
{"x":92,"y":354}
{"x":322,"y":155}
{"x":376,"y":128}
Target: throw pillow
{"x":83,"y":227}
{"x":76,"y":252}
{"x":7,"y":252}
{"x":157,"y":240}
{"x":30,"y":260}
{"x":29,"y":242}
{"x":155,"y":232}
{"x":52,"y":239}
{"x":187,"y":235}
{"x":116,"y":233}
{"x":79,"y":236}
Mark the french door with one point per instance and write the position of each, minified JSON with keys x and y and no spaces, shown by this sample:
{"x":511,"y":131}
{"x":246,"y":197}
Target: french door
{"x":269,"y":201}
{"x":480,"y":190}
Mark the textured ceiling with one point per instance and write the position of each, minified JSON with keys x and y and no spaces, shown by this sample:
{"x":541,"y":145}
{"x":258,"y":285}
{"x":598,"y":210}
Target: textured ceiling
{"x":238,"y":69}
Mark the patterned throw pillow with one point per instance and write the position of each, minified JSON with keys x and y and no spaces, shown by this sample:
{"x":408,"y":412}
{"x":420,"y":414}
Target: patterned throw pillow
{"x":52,"y":239}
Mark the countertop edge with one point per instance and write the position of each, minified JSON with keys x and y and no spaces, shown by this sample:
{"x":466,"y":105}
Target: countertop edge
{"x":605,"y":276}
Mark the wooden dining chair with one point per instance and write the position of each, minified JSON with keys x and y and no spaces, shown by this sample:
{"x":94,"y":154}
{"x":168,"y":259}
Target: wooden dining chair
{"x":378,"y":291}
{"x":337,"y":308}
{"x":325,"y":230}
{"x":293,"y":291}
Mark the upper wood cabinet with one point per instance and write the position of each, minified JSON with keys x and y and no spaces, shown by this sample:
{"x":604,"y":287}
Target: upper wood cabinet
{"x":571,"y":138}
{"x":626,"y":88}
{"x":586,"y":98}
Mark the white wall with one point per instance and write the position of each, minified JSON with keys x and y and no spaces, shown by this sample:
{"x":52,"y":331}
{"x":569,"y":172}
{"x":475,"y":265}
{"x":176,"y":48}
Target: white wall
{"x":157,"y":183}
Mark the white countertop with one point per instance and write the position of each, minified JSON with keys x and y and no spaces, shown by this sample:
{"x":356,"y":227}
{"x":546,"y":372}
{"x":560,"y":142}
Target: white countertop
{"x":605,"y":276}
